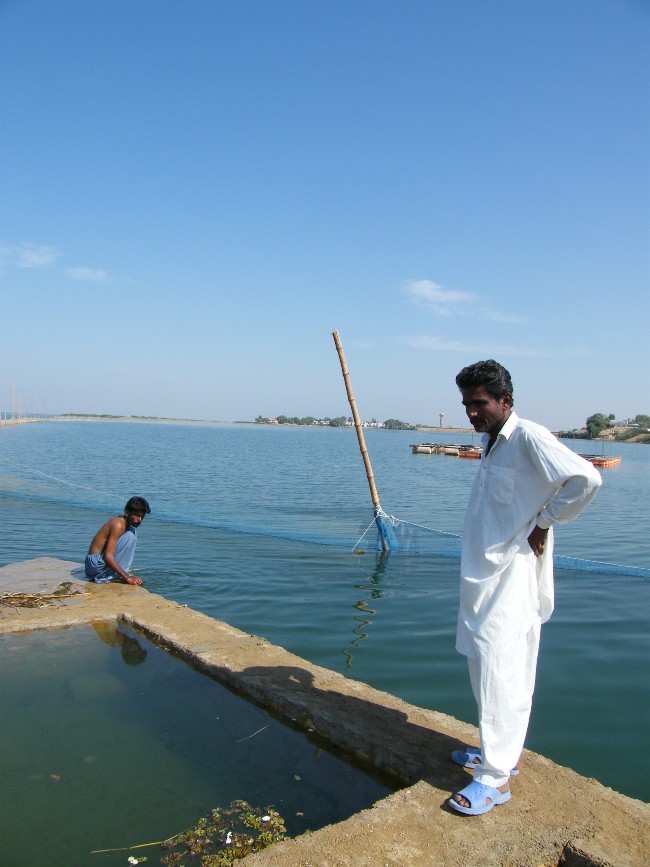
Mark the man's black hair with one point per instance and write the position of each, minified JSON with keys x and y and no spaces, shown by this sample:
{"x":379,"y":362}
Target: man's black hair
{"x":137,"y":506}
{"x":491,"y":375}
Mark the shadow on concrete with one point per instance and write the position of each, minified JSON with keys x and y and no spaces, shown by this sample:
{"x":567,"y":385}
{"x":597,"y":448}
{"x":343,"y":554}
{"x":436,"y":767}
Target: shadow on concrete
{"x":374,"y":736}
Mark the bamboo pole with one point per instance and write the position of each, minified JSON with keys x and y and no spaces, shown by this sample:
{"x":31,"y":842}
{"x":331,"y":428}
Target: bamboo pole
{"x":362,"y":443}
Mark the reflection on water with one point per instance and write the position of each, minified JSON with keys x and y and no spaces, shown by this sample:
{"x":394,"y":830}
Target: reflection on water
{"x":104,"y":752}
{"x":133,"y":653}
{"x":375,"y":592}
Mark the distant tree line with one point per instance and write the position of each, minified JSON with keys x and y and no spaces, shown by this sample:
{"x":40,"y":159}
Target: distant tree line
{"x":599,"y":422}
{"x":396,"y":424}
{"x":339,"y":421}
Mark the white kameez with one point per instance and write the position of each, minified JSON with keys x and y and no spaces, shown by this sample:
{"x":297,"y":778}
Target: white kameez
{"x":528,"y":478}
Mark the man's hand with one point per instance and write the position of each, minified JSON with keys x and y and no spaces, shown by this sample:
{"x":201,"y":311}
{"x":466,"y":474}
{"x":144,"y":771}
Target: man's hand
{"x":131,"y":579}
{"x":537,"y":540}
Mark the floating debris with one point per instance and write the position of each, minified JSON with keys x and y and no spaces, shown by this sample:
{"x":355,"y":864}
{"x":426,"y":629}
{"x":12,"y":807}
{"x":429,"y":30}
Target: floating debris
{"x":227,"y":835}
{"x":253,"y":735}
{"x":36,"y":600}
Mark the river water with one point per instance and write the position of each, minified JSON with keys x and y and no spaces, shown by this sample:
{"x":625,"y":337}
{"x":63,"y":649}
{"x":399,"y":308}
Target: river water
{"x":262,"y":527}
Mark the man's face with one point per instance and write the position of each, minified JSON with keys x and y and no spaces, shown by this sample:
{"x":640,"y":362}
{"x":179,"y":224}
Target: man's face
{"x":487,"y":414}
{"x":134,"y":519}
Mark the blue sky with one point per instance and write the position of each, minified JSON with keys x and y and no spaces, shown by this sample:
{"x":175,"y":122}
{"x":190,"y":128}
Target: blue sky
{"x":193,"y":195}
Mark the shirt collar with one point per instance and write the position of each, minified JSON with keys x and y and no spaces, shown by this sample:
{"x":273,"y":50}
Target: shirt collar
{"x":506,"y":431}
{"x":509,"y":426}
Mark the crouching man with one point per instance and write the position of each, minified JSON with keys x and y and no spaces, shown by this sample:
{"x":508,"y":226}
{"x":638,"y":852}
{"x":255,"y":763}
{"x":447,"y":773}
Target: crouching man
{"x":111,"y":551}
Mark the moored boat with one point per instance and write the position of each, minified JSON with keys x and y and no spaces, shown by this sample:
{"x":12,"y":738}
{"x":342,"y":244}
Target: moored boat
{"x":603,"y":460}
{"x":470,"y":452}
{"x":443,"y":449}
{"x":426,"y":448}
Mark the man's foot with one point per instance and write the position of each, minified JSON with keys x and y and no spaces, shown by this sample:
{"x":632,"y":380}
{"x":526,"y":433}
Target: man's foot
{"x":470,"y":756}
{"x":477,"y":798}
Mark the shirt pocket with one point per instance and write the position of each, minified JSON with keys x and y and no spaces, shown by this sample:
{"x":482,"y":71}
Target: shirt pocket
{"x":501,"y":485}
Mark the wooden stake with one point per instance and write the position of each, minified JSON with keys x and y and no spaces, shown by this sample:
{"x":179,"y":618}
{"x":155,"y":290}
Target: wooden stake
{"x":362,"y":443}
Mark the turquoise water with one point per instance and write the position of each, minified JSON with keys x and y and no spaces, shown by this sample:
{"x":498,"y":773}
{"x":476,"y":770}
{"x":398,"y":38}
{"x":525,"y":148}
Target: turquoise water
{"x":112,"y":743}
{"x":257,"y":525}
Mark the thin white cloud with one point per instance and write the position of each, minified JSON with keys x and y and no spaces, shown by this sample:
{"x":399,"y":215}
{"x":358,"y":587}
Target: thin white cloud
{"x":28,"y":255}
{"x":34,"y":256}
{"x":452,"y":302}
{"x":442,"y":301}
{"x":93,"y":275}
{"x":441,"y":344}
{"x":496,"y":316}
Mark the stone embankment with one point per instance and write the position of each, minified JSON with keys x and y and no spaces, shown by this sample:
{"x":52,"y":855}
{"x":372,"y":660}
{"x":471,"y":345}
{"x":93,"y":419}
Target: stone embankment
{"x":555,"y":817}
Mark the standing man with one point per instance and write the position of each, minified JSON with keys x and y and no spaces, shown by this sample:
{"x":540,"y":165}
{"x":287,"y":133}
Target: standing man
{"x":527,"y":482}
{"x":111,"y":551}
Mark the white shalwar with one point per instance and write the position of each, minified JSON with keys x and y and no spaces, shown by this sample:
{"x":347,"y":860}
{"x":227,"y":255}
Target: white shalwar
{"x":528,"y":478}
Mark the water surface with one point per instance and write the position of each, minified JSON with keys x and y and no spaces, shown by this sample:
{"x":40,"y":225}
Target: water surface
{"x":109,"y":742}
{"x":257,"y":525}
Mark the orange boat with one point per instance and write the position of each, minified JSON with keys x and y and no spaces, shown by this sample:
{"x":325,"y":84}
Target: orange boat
{"x":602,"y":460}
{"x":470,"y":452}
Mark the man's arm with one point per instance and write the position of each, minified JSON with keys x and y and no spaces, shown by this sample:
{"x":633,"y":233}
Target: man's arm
{"x":117,"y":528}
{"x":573,"y":495}
{"x":577,"y":482}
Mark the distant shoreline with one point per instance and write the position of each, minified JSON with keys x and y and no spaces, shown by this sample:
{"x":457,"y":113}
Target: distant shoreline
{"x":139,"y":419}
{"x":119,"y":419}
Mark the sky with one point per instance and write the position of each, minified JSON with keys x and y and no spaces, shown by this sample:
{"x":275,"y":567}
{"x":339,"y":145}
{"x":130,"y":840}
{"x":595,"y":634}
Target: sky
{"x":195,"y":193}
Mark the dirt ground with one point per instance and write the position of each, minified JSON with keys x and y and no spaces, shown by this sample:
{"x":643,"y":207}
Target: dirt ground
{"x":555,"y":817}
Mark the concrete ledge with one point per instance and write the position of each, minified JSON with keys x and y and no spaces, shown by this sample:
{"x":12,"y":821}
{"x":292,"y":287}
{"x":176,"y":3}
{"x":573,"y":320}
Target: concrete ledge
{"x":555,"y":817}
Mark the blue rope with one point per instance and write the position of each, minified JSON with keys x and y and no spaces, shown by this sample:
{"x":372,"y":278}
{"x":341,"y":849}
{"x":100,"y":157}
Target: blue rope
{"x":445,"y":544}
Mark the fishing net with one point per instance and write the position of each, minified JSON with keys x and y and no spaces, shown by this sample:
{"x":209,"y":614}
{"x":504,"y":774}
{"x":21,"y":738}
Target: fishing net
{"x":406,"y":537}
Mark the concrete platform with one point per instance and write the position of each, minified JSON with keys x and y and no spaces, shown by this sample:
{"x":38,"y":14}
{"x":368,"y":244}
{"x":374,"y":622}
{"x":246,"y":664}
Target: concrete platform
{"x":555,"y":817}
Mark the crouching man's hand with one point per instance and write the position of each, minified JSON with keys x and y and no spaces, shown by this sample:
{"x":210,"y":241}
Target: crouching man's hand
{"x":133,"y":580}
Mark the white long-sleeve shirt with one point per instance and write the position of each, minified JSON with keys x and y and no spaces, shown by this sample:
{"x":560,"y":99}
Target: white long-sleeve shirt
{"x":528,"y":478}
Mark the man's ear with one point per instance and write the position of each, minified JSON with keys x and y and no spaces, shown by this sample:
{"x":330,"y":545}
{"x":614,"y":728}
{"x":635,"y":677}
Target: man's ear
{"x":507,"y":400}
